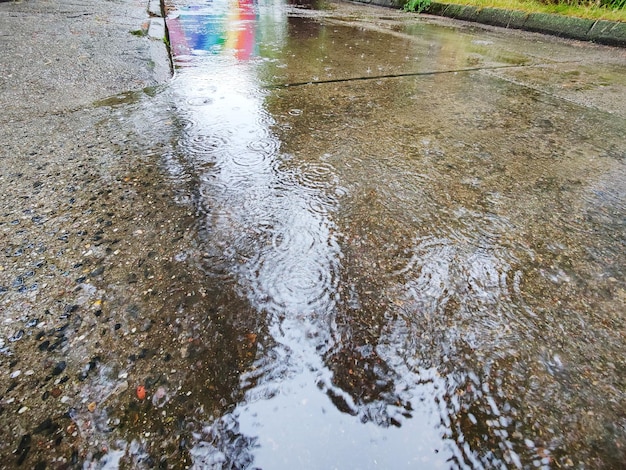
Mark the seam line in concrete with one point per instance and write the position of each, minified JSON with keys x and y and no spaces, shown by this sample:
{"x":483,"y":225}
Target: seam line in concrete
{"x":395,"y":75}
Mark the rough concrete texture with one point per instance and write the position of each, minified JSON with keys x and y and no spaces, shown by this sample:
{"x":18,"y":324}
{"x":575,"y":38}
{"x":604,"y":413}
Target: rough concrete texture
{"x":559,"y":25}
{"x":75,"y":222}
{"x":92,"y":52}
{"x":385,"y":3}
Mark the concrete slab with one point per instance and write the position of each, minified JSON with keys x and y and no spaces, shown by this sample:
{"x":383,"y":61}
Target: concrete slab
{"x":496,"y":17}
{"x":94,"y":49}
{"x":103,"y":279}
{"x":467,"y":13}
{"x":609,"y":33}
{"x":154,"y":8}
{"x":157,"y":29}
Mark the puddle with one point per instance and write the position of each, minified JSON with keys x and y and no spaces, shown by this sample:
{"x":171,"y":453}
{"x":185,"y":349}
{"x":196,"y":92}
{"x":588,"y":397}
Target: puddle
{"x":130,"y":97}
{"x":420,"y":269}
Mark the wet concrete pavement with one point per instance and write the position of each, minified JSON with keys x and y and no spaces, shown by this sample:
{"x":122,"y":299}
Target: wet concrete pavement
{"x":346,"y":237}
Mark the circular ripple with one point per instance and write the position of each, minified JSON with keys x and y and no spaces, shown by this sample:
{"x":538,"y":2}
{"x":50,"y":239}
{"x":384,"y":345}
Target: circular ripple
{"x":200,"y":101}
{"x":199,"y":144}
{"x":175,"y":168}
{"x":249,"y":159}
{"x":317,"y":175}
{"x":296,"y":273}
{"x":266,"y":146}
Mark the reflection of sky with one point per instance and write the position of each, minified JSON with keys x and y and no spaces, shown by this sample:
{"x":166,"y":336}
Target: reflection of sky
{"x":271,"y":230}
{"x":452,"y":279}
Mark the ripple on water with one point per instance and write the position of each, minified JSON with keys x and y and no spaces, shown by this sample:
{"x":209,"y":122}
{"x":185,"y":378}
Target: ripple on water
{"x":318,"y":175}
{"x":462,"y":392}
{"x":605,"y":202}
{"x":175,"y":169}
{"x":205,"y":146}
{"x":442,"y":267}
{"x":467,"y":278}
{"x":296,"y":272}
{"x":267,"y":146}
{"x":248,"y":161}
{"x":200,"y":101}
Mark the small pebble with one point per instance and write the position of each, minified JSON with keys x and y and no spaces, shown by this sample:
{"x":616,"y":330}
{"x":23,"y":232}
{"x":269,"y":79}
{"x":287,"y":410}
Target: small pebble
{"x":92,"y":406}
{"x":17,"y":336}
{"x":59,"y":367}
{"x":15,"y":374}
{"x":22,"y":410}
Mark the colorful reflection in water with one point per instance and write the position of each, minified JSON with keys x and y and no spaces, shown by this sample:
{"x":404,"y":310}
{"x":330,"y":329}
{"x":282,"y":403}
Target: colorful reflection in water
{"x":388,"y":287}
{"x":223,"y":26}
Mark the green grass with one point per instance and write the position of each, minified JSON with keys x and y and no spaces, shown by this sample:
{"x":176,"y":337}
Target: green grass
{"x":613,"y":10}
{"x":416,"y":5}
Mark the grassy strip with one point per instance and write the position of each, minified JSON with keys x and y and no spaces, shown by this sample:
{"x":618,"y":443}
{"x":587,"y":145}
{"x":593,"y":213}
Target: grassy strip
{"x":592,"y":12}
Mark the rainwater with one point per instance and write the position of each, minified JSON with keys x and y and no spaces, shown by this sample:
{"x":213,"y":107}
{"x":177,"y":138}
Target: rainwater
{"x":414,"y":240}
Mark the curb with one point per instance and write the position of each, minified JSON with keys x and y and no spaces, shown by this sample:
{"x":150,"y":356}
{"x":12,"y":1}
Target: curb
{"x":159,"y":41}
{"x":612,"y":33}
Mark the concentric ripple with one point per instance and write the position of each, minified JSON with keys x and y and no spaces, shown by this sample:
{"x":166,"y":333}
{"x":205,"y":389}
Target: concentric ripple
{"x":205,"y":146}
{"x":296,"y":272}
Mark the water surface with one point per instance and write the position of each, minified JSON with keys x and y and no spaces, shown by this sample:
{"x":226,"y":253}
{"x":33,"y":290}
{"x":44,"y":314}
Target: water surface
{"x":416,"y":260}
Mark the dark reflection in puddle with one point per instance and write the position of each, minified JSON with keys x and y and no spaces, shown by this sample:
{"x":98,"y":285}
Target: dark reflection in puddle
{"x":412,"y":275}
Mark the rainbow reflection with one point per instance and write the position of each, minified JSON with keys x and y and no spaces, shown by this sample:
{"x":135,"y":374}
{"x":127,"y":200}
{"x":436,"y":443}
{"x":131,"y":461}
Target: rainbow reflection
{"x":222,"y":27}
